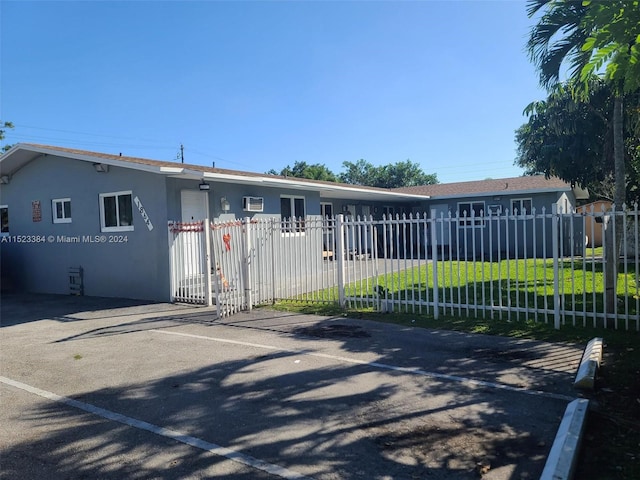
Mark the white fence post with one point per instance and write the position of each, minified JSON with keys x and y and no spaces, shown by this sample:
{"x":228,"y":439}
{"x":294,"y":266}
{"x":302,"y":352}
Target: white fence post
{"x":207,"y":263}
{"x":340,"y":258}
{"x":246,"y":263}
{"x":172,"y":267}
{"x":434,"y":262}
{"x":555,"y":218}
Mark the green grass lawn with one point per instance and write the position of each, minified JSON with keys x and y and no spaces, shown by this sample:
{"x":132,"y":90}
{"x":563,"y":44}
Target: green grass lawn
{"x":514,"y":289}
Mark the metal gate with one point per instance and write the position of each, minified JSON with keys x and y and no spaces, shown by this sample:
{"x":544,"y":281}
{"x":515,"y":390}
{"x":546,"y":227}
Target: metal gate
{"x":244,"y":263}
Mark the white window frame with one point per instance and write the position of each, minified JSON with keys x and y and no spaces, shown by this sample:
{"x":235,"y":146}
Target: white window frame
{"x":465,"y":222}
{"x":4,"y":234}
{"x":54,"y":210}
{"x":323,"y":210}
{"x":119,"y":228}
{"x":299,"y":229}
{"x":519,"y":208}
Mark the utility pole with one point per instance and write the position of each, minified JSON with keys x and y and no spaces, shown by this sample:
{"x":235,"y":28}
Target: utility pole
{"x":182,"y":153}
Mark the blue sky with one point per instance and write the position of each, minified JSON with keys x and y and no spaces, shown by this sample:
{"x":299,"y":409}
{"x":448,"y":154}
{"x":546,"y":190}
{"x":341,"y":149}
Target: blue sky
{"x":261,"y":85}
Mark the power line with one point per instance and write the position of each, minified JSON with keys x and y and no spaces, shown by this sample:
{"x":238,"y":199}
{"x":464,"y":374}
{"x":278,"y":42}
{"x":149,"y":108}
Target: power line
{"x":85,"y":133}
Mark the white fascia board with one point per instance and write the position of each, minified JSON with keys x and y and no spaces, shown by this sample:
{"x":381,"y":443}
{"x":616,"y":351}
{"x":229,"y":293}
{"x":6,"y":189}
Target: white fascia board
{"x":339,"y":188}
{"x":172,"y":170}
{"x":501,"y":193}
{"x":115,"y":163}
{"x":293,"y":184}
{"x":95,"y":159}
{"x":230,"y":178}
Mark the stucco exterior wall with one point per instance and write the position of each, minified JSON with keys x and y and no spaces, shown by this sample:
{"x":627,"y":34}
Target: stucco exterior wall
{"x":234,"y":193}
{"x":130,"y":264}
{"x":499,"y":237}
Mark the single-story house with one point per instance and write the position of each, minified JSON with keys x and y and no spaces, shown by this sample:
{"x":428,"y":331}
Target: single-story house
{"x":502,"y":197}
{"x":62,"y":208}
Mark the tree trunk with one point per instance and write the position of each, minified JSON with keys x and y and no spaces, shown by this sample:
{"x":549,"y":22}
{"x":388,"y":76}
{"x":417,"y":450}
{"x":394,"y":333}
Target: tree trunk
{"x":613,"y":228}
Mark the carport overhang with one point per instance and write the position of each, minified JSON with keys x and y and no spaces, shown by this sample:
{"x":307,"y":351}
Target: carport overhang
{"x":22,"y":154}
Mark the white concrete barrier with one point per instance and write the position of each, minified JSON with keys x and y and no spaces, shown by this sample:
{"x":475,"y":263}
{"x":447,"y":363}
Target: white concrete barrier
{"x":562,"y":458}
{"x":589,"y":365}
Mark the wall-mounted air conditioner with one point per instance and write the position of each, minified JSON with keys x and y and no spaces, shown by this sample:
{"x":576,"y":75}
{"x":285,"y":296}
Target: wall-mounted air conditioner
{"x":252,"y":204}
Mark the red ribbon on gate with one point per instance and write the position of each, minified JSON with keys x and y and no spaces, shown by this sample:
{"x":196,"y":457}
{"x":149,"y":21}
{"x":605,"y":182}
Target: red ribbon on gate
{"x":226,"y":238}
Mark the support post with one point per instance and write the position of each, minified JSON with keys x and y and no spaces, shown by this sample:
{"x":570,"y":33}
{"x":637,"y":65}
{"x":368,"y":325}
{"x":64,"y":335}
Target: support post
{"x":340,"y":259}
{"x":246,"y":263}
{"x":208,"y":271}
{"x":555,"y":219}
{"x":434,"y":262}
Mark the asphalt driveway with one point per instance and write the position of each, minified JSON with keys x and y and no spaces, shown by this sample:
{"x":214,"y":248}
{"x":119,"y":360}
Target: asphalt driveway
{"x":104,"y":388}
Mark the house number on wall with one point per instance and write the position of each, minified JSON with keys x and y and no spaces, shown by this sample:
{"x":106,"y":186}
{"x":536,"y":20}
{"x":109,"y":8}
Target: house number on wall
{"x":143,"y":213}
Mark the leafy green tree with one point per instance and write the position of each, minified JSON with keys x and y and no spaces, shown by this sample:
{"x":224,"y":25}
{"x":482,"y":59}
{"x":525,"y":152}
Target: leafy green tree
{"x":358,"y":173}
{"x":573,"y":139}
{"x":400,"y":174}
{"x":304,"y":170}
{"x":585,"y":36}
{"x":614,"y":39}
{"x":3,"y":128}
{"x":614,"y":42}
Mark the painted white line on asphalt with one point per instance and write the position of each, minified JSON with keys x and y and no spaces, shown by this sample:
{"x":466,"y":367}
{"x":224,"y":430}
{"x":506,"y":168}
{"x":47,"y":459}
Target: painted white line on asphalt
{"x":383,"y":366}
{"x":164,"y":432}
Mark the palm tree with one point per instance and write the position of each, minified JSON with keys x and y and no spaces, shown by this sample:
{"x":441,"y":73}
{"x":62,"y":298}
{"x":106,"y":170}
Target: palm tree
{"x":557,"y":39}
{"x":564,"y":37}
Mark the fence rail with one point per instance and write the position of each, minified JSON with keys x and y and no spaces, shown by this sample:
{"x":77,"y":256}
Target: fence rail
{"x":504,"y":265}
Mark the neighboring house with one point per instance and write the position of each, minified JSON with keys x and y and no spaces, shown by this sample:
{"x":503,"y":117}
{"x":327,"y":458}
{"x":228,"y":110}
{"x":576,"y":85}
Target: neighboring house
{"x":62,"y":208}
{"x":499,"y":197}
{"x":594,"y":230}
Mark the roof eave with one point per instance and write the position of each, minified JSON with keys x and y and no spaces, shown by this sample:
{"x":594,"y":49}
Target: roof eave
{"x":502,"y":193}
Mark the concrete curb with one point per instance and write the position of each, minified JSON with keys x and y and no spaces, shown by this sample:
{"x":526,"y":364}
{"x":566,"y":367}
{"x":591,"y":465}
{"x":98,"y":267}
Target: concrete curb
{"x":562,"y":458}
{"x":591,"y":360}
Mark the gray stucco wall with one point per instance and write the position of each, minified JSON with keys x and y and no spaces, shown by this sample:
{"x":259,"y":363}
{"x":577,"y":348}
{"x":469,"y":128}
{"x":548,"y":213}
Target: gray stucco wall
{"x":513,"y":236}
{"x":233,"y":194}
{"x":137,"y":268}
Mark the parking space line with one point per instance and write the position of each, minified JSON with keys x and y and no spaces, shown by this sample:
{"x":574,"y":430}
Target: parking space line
{"x":470,"y":382}
{"x":164,"y":432}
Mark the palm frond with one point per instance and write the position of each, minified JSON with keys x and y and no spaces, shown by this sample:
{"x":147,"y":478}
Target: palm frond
{"x":557,"y":39}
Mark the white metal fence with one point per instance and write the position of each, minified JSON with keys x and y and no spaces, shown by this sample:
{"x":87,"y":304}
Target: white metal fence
{"x":504,"y":265}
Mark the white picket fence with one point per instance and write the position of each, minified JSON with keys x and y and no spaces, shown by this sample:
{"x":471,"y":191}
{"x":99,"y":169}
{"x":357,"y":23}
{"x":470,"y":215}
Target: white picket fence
{"x":505,"y":265}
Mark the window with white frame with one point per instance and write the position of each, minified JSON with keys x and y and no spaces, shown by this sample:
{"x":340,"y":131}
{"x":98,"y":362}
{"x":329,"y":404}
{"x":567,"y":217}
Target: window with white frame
{"x":116,"y":212}
{"x":466,"y":210}
{"x":292,"y":212}
{"x":521,"y":206}
{"x":326,"y":210}
{"x":4,"y":219}
{"x":61,"y":210}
